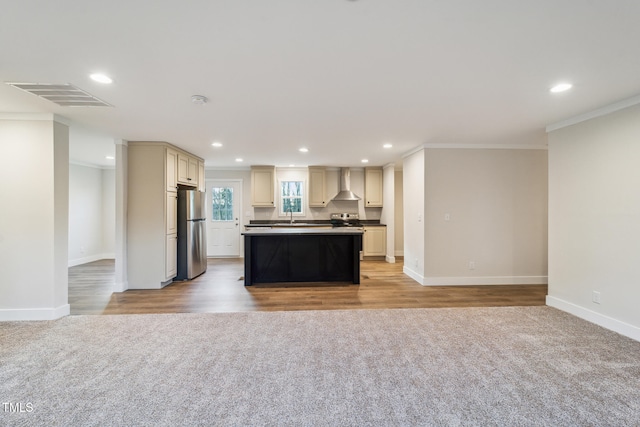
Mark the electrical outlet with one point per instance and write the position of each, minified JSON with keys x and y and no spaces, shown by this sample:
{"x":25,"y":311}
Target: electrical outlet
{"x":447,"y":217}
{"x":472,"y":265}
{"x":596,"y":297}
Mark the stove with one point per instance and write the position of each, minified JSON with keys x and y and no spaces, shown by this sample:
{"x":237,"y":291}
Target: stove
{"x":344,"y":219}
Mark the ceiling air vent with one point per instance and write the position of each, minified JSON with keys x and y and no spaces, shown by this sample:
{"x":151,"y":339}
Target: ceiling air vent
{"x":66,"y":95}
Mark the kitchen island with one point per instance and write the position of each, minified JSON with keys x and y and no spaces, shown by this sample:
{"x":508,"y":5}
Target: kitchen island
{"x":294,"y":255}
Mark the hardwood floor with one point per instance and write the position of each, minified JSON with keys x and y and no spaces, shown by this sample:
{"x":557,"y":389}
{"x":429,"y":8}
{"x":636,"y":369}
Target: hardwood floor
{"x":221,"y":289}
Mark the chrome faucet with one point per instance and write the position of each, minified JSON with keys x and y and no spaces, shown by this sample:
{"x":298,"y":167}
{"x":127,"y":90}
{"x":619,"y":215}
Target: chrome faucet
{"x":291,"y":212}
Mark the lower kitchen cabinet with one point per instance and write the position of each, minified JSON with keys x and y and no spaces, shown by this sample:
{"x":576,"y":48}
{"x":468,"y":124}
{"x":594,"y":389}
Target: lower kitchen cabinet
{"x":171,"y":262}
{"x":290,"y":255}
{"x":172,"y":212}
{"x":374,"y":240}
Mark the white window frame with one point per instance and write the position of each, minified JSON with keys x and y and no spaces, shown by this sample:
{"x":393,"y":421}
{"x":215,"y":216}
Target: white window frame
{"x":281,"y":211}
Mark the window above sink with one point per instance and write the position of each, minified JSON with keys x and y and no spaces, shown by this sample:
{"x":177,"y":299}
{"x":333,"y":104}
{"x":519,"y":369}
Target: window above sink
{"x":291,"y":198}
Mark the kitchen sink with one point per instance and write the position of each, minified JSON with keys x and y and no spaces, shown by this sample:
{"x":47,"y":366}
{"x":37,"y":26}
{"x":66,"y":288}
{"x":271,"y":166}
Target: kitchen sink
{"x":299,"y":224}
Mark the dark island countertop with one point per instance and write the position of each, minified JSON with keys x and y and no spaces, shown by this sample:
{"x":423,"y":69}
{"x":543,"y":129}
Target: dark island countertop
{"x":302,"y":230}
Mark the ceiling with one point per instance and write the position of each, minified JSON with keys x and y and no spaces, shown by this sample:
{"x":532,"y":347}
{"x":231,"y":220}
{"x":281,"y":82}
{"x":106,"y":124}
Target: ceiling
{"x":338,"y":77}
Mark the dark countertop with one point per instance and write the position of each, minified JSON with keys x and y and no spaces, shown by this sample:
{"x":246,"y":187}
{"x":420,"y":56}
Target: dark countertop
{"x":300,"y":224}
{"x":305,"y":223}
{"x":302,"y":230}
{"x":283,"y":222}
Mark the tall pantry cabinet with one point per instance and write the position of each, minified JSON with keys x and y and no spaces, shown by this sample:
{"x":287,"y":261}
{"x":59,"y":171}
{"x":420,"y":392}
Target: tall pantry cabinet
{"x":152,"y":198}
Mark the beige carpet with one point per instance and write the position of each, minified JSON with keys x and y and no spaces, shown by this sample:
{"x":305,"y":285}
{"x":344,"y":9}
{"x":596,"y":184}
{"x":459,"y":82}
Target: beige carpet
{"x":525,"y":366}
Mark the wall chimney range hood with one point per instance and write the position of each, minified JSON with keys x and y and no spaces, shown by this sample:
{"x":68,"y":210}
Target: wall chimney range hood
{"x":345,"y":193}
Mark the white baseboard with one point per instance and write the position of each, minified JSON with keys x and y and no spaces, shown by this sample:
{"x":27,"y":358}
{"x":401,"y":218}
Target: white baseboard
{"x":90,"y":258}
{"x":390,"y":259}
{"x":414,"y":275}
{"x":606,"y":322}
{"x":120,"y":286}
{"x":473,"y":281}
{"x":485,"y":280}
{"x":20,"y":314}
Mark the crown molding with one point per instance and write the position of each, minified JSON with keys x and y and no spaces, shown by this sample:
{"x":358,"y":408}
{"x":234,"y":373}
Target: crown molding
{"x":608,"y":109}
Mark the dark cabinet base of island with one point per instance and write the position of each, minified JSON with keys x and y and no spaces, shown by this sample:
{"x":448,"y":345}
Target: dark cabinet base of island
{"x":300,"y":257}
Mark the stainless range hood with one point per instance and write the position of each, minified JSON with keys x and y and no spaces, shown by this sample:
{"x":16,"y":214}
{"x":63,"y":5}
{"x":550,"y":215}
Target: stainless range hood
{"x":345,"y":187}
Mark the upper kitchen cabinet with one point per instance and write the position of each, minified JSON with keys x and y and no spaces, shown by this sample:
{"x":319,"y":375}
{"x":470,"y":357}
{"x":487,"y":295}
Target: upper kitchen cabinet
{"x":201,"y":183}
{"x":317,"y":187}
{"x":171,"y":173}
{"x":263,"y":186}
{"x":187,"y":170}
{"x":373,"y":187}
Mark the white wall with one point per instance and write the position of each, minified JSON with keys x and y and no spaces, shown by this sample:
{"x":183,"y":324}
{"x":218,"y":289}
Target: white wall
{"x":121,"y":209}
{"x":108,"y":212}
{"x":60,"y":289}
{"x":398,"y":195}
{"x":594,"y":220}
{"x":413,"y":207}
{"x":496,"y":204}
{"x":34,"y":218}
{"x":388,"y":213}
{"x":91,"y":214}
{"x":487,"y":207}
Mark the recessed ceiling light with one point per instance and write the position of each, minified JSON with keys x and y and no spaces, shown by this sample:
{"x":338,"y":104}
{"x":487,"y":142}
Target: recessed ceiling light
{"x":561,"y":87}
{"x":101,"y":78}
{"x":199,"y":99}
{"x":109,"y":157}
{"x":239,"y":159}
{"x":217,"y":144}
{"x":291,"y":166}
{"x":365,"y":161}
{"x":304,"y":150}
{"x":387,"y":145}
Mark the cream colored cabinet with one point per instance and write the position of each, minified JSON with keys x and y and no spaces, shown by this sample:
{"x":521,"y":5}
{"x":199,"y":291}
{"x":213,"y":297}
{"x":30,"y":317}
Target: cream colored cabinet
{"x":183,"y":168}
{"x":152,"y":213}
{"x":172,"y":213}
{"x":201,"y":183}
{"x":187,"y":170}
{"x":373,"y":188}
{"x":263,"y":186}
{"x":171,"y":172}
{"x":374,"y":240}
{"x":193,"y":171}
{"x":171,"y":257}
{"x":317,"y":187}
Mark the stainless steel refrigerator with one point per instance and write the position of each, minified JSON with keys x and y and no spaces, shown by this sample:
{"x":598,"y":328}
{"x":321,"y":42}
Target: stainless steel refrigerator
{"x":192,"y":234}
